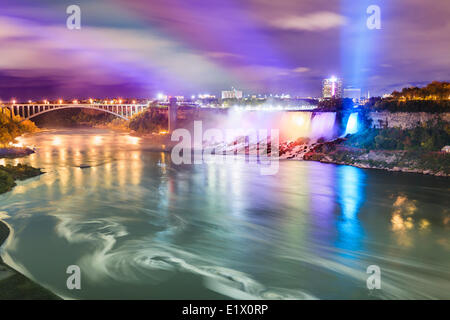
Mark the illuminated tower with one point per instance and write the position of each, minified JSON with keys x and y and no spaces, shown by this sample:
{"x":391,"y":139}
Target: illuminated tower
{"x":332,"y":88}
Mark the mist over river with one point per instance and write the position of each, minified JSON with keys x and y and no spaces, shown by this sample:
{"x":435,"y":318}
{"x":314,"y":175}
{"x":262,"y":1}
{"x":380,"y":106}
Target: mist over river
{"x":140,"y":227}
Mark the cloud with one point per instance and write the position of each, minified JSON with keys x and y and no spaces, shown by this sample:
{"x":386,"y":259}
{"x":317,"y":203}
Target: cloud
{"x":317,"y":21}
{"x":103,"y":56}
{"x":222,"y":55}
{"x":301,"y":69}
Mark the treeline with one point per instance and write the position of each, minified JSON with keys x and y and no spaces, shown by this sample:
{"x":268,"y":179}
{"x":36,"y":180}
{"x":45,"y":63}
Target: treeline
{"x":73,"y":117}
{"x":92,"y":117}
{"x":433,"y":91}
{"x":13,"y":128}
{"x":435,"y":98}
{"x":433,"y":106}
{"x":335,"y":104}
{"x":429,"y":137}
{"x":151,"y":120}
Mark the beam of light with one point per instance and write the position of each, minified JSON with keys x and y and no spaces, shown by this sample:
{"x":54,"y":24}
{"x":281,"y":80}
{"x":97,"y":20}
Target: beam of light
{"x":359,"y":45}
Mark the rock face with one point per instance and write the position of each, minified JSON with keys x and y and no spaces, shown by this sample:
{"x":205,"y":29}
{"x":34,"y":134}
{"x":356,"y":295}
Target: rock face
{"x":405,"y":120}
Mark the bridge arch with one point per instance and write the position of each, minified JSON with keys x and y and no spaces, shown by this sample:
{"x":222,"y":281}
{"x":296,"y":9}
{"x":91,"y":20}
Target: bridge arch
{"x":75,"y":107}
{"x":29,"y":111}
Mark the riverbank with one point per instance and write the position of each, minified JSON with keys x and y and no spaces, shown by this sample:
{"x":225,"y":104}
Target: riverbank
{"x":424,"y":162}
{"x":9,"y":174}
{"x":14,"y":285}
{"x":15,"y":152}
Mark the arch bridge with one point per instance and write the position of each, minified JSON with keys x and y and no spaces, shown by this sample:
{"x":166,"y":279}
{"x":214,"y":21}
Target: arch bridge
{"x":29,"y":111}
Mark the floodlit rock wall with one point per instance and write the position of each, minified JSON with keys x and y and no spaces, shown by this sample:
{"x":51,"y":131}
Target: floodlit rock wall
{"x":405,"y":120}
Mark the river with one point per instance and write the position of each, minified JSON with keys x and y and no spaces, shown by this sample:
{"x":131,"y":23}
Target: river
{"x":140,"y":227}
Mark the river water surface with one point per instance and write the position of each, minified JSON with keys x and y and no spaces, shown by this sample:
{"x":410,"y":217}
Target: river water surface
{"x":139,"y":226}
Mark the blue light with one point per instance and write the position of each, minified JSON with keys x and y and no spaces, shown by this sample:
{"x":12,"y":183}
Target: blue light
{"x":352,"y":124}
{"x":351,"y":197}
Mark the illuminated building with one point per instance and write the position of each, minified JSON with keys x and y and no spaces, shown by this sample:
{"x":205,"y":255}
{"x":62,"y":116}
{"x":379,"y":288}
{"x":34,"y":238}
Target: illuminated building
{"x":332,"y":88}
{"x":232,"y":94}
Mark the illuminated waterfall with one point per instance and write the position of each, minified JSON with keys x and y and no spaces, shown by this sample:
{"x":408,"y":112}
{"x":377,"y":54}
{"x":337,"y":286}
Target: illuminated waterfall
{"x":352,"y":124}
{"x":322,"y":125}
{"x":291,"y":125}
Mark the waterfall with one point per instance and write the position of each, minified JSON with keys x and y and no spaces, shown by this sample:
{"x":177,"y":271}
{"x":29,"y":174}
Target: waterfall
{"x":352,"y":124}
{"x":291,"y":125}
{"x":322,"y":125}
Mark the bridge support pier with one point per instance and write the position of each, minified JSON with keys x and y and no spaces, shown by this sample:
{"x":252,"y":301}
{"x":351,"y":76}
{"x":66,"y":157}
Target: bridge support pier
{"x":173,"y":108}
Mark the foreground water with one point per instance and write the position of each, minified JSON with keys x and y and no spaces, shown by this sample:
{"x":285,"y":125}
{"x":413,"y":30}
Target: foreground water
{"x":139,"y":226}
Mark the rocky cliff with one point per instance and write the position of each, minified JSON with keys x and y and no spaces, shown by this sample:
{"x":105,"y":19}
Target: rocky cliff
{"x":405,"y":120}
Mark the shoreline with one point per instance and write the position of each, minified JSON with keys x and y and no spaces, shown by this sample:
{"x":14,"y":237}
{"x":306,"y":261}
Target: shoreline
{"x":15,"y":152}
{"x":13,"y":284}
{"x":395,"y":169}
{"x":427,"y":163}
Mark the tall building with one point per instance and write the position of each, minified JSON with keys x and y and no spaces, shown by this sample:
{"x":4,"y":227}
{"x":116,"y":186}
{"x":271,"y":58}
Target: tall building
{"x":332,"y":88}
{"x":352,"y":93}
{"x":232,"y":94}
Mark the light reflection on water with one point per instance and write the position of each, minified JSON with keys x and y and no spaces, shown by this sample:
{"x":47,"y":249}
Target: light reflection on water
{"x":350,"y":198}
{"x":140,"y":227}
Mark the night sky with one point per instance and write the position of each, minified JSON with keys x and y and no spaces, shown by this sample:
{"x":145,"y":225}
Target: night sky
{"x":136,"y":48}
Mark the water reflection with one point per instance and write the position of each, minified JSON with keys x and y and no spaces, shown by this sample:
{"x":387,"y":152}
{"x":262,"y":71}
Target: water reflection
{"x":403,"y":220}
{"x":141,"y":227}
{"x":351,"y":195}
{"x":323,"y":201}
